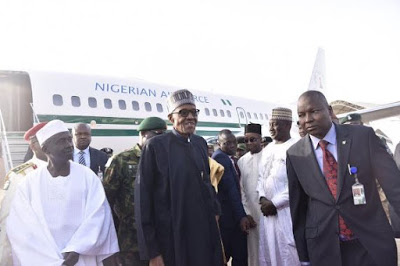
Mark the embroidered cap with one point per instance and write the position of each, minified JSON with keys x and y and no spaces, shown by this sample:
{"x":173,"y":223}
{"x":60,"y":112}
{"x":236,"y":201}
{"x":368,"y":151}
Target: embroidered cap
{"x":33,"y":130}
{"x":178,"y":98}
{"x":282,"y":113}
{"x":50,"y":129}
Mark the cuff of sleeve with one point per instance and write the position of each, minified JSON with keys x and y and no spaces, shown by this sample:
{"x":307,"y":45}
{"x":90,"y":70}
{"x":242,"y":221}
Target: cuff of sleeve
{"x":279,"y":202}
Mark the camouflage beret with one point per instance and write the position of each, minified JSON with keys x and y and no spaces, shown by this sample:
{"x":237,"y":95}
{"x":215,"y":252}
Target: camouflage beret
{"x":151,"y":123}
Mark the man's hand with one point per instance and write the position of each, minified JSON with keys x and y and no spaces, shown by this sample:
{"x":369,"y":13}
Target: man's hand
{"x":157,"y":261}
{"x":70,"y":258}
{"x":267,"y":207}
{"x":245,"y":224}
{"x":252,"y":222}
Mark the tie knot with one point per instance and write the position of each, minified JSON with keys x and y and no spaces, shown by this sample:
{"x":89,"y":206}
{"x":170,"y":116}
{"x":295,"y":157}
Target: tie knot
{"x":323,"y":143}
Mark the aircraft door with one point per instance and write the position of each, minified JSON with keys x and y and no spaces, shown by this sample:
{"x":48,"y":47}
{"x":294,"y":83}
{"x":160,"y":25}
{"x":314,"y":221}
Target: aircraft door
{"x":242,"y":118}
{"x":16,"y":96}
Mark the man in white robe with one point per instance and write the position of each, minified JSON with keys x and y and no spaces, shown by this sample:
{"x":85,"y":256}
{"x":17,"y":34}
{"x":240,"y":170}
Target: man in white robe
{"x":277,"y":247}
{"x":249,"y":165}
{"x":60,"y":215}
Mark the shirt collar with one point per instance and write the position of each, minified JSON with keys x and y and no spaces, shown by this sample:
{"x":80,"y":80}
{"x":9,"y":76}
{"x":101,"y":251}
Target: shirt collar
{"x":76,"y":150}
{"x":176,"y":133}
{"x":329,"y":137}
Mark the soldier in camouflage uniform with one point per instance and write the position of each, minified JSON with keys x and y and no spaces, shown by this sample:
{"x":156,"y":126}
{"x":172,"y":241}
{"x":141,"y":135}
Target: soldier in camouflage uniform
{"x":119,"y":186}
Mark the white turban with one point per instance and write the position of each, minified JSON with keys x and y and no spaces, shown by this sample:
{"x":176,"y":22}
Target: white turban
{"x":50,"y":129}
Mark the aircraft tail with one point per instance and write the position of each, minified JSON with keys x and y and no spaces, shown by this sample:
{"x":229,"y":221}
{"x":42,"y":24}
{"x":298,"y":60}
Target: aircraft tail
{"x":318,"y":78}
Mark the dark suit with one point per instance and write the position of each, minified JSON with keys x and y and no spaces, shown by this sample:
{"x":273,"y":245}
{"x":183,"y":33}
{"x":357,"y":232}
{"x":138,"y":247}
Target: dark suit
{"x":97,"y":158}
{"x":315,"y":211}
{"x":234,"y":240}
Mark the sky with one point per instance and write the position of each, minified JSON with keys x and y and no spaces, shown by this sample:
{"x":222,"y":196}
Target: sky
{"x":257,"y":49}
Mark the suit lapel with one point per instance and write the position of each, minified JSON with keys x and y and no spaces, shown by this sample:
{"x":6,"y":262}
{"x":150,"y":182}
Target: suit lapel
{"x":312,"y":163}
{"x":343,"y":143}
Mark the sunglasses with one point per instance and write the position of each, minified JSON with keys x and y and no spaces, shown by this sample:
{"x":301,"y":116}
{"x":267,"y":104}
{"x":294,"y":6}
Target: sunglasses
{"x":251,"y":140}
{"x":185,"y":112}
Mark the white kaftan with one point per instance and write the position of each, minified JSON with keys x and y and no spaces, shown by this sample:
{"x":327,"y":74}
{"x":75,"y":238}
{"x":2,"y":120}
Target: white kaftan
{"x":248,"y":165}
{"x":50,"y":216}
{"x":277,"y":247}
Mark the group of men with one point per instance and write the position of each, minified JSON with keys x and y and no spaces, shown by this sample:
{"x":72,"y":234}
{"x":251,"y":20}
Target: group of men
{"x":308,"y":202}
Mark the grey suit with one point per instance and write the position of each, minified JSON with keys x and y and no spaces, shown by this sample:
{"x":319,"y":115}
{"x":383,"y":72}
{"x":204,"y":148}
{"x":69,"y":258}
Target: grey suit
{"x":315,"y":212}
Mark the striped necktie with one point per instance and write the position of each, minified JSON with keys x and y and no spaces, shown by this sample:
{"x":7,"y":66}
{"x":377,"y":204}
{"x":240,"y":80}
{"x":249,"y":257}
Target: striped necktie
{"x":82,"y":158}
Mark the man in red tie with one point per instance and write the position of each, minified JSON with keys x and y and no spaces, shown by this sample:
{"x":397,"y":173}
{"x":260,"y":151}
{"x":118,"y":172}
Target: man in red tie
{"x":336,"y":211}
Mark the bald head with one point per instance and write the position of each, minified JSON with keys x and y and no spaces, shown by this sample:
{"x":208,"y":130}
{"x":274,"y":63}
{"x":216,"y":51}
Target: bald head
{"x":82,"y":135}
{"x":314,"y":113}
{"x":315,"y":96}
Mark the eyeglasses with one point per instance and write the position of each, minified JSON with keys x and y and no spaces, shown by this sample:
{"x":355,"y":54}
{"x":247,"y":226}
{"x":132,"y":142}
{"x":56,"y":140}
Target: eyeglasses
{"x":252,"y":139}
{"x":185,"y":112}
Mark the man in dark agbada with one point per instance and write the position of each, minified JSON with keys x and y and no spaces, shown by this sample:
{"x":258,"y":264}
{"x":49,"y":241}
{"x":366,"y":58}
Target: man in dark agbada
{"x":119,"y":186}
{"x":176,"y":205}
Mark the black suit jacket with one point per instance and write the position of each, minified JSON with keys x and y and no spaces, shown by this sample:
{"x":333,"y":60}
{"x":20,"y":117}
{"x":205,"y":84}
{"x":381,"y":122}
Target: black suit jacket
{"x":229,"y":193}
{"x":97,"y":158}
{"x":315,"y":211}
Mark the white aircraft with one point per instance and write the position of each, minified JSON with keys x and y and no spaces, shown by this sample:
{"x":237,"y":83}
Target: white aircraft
{"x":114,"y":107}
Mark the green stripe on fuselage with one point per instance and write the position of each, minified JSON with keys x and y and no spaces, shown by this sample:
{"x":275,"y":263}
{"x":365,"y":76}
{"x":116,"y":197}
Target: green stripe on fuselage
{"x":135,"y":133}
{"x":122,"y":121}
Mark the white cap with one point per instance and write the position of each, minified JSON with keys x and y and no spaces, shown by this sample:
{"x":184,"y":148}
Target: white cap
{"x":50,"y":129}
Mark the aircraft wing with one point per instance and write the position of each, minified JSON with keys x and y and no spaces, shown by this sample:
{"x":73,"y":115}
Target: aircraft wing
{"x":376,"y":113}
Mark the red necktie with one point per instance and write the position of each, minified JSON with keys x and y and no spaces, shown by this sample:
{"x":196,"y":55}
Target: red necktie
{"x":329,"y":167}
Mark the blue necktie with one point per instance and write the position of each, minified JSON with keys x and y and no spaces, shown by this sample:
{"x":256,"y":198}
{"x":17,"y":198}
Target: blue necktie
{"x":82,"y":158}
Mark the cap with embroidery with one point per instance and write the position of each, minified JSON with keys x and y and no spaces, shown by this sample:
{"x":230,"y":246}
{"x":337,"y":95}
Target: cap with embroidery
{"x":178,"y":98}
{"x":281,"y":113}
{"x":50,"y":129}
{"x":151,"y":123}
{"x":33,"y":130}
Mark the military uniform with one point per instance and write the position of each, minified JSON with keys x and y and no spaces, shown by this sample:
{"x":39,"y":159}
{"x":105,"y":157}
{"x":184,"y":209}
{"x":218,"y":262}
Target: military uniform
{"x":12,"y":179}
{"x":119,"y":186}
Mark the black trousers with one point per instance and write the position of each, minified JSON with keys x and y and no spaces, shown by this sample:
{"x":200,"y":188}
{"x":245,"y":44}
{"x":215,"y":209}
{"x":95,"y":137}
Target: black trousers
{"x":354,"y":254}
{"x":235,"y":245}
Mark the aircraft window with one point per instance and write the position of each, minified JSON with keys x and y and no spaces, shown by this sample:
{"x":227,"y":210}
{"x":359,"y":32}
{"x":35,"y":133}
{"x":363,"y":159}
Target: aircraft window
{"x":147,"y":106}
{"x":261,"y":116}
{"x":57,"y":100}
{"x":122,"y":104}
{"x":241,"y":115}
{"x":255,"y":116}
{"x":135,"y":105}
{"x":76,"y":101}
{"x":107,"y":103}
{"x":215,"y":112}
{"x":228,"y":113}
{"x":92,"y":102}
{"x":249,"y":115}
{"x":207,"y":111}
{"x":159,"y":107}
{"x":221,"y":112}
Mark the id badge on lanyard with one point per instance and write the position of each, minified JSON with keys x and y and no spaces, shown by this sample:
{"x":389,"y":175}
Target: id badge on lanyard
{"x":357,"y":188}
